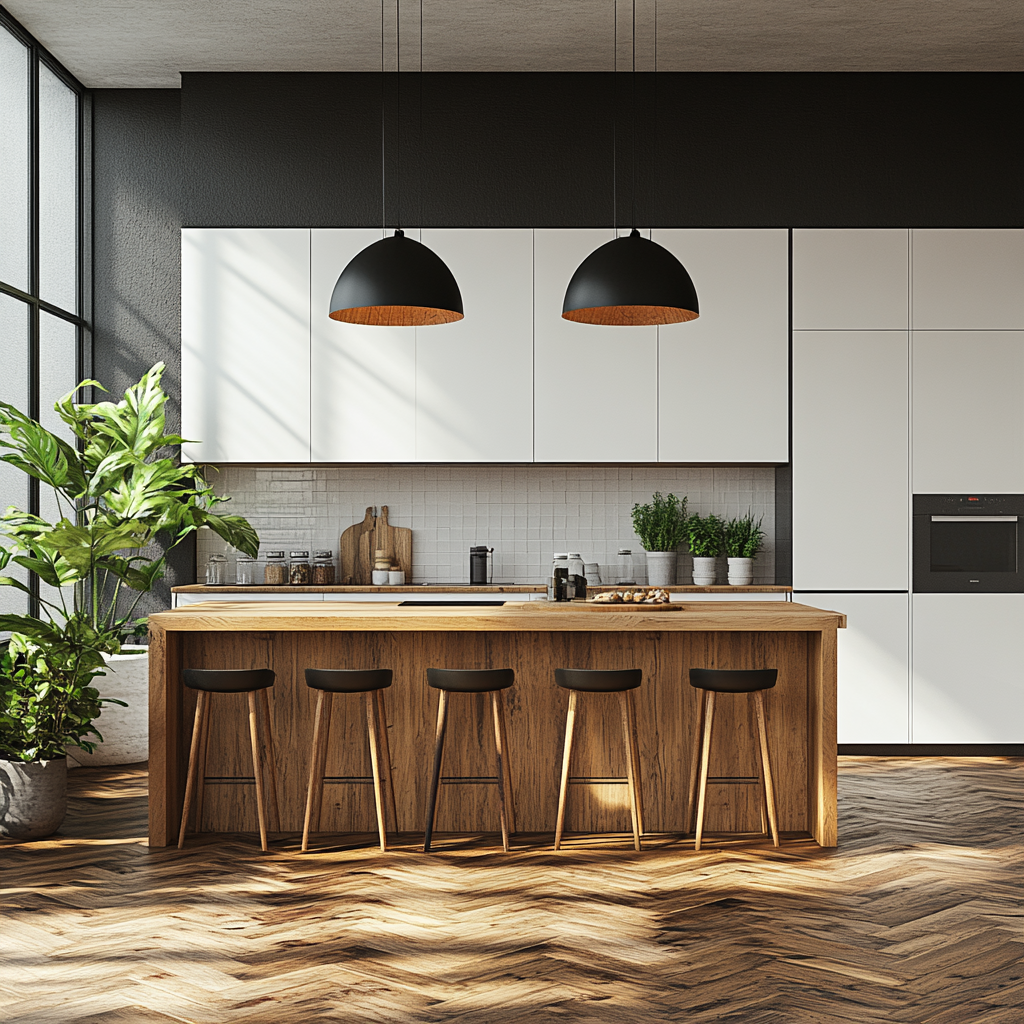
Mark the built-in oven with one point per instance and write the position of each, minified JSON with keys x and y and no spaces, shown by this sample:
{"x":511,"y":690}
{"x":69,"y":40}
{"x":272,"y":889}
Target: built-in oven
{"x":968,"y":543}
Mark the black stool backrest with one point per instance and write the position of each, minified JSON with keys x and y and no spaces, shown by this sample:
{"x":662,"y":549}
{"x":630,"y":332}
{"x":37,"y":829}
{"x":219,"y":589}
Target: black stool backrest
{"x":599,"y":680}
{"x":348,"y":680}
{"x":471,"y":680}
{"x":730,"y":680}
{"x":228,"y":680}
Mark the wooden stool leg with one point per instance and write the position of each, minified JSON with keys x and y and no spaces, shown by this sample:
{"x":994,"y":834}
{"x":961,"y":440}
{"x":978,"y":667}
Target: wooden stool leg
{"x":373,"y":734}
{"x":435,"y":774}
{"x":315,"y":787}
{"x":386,"y":751}
{"x":193,"y":763}
{"x":204,"y":753}
{"x":631,"y":771}
{"x":271,"y":761}
{"x":501,"y":755}
{"x":635,"y":749}
{"x":257,"y":770}
{"x":769,"y":787}
{"x":705,"y":757}
{"x":563,"y":786}
{"x":321,"y":770}
{"x":506,"y":760}
{"x":691,"y":807}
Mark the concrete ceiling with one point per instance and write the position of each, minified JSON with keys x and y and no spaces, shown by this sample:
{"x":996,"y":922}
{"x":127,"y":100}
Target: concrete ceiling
{"x":147,"y":43}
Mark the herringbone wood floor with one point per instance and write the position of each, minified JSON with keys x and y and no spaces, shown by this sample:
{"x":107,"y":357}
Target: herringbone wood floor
{"x":916,"y":917}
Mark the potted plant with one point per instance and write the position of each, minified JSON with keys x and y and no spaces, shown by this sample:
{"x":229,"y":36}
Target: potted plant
{"x":661,"y":527}
{"x":743,"y":540}
{"x":123,"y":503}
{"x":704,"y":538}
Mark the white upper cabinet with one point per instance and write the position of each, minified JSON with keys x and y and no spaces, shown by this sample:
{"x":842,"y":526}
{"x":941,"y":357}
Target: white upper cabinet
{"x":968,"y":411}
{"x":363,"y":378}
{"x":851,"y":460}
{"x":595,"y":388}
{"x":968,"y":279}
{"x":474,"y":378}
{"x":851,"y":279}
{"x":245,"y":344}
{"x":724,"y":377}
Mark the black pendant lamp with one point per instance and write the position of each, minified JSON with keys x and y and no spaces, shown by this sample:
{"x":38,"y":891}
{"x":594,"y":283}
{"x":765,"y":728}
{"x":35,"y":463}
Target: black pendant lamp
{"x":632,"y":281}
{"x":396,"y":282}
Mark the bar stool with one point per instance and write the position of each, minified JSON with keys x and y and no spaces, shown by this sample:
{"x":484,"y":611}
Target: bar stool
{"x":711,"y":681}
{"x":371,"y":683}
{"x":620,"y":681}
{"x":460,"y":680}
{"x":229,"y":680}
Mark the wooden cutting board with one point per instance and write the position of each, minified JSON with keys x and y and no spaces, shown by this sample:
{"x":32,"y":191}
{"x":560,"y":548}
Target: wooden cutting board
{"x":348,"y":550}
{"x":394,"y":541}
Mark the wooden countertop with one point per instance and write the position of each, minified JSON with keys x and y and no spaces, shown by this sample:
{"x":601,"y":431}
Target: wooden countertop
{"x":527,"y":616}
{"x":455,"y":588}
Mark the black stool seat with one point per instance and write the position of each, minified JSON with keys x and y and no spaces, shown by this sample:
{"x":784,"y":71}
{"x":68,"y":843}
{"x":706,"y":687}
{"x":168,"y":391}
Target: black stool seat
{"x":471,"y":680}
{"x":348,"y":680}
{"x":228,"y":680}
{"x":729,"y":680}
{"x":599,"y":680}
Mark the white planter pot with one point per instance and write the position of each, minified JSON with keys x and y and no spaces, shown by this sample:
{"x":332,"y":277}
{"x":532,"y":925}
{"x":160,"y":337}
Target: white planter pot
{"x":125,"y":731}
{"x":33,"y":798}
{"x":661,"y":568}
{"x":741,"y":572}
{"x":705,"y":571}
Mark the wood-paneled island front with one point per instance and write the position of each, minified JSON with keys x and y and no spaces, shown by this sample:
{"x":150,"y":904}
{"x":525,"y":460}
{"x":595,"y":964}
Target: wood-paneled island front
{"x":533,"y":639}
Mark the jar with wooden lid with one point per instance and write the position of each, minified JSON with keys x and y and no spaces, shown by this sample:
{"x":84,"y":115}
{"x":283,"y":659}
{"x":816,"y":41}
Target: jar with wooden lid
{"x":323,"y":569}
{"x":275,"y":572}
{"x":300,"y":573}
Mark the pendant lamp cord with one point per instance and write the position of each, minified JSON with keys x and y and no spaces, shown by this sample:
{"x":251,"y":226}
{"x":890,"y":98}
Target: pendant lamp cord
{"x":398,"y":109}
{"x":633,"y":102}
{"x":615,"y":110}
{"x":383,"y":131}
{"x":421,"y":115}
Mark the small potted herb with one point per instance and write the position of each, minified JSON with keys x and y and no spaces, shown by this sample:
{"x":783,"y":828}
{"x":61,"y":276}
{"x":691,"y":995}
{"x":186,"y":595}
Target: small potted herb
{"x":743,"y":540}
{"x":661,"y":527}
{"x":704,"y":537}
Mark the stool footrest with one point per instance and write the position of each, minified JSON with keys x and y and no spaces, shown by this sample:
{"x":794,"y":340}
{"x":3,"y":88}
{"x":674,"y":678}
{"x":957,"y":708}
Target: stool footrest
{"x":735,"y":780}
{"x":228,"y":780}
{"x":588,"y":780}
{"x":468,"y":780}
{"x":355,"y":779}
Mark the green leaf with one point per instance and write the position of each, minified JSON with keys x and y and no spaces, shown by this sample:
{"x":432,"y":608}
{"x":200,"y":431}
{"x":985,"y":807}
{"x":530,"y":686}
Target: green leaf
{"x":235,"y":530}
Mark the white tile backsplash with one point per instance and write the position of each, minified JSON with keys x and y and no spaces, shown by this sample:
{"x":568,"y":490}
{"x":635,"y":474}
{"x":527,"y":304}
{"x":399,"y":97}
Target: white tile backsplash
{"x":524,"y":512}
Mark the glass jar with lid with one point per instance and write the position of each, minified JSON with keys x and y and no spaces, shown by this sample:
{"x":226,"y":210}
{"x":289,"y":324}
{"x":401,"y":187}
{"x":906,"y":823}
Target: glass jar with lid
{"x":300,"y":573}
{"x":217,"y":571}
{"x":275,"y":572}
{"x":246,"y":571}
{"x":559,"y":577}
{"x":576,"y":588}
{"x":625,"y":566}
{"x":323,"y":569}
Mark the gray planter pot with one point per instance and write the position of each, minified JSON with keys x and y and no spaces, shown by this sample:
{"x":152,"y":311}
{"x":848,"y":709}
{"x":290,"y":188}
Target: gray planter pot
{"x":33,"y":798}
{"x":661,"y":568}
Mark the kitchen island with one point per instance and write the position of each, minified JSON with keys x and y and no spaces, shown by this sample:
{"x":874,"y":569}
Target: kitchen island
{"x":533,"y":638}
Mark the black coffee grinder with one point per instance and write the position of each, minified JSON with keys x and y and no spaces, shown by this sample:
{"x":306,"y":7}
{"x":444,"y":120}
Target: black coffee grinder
{"x":479,"y":576}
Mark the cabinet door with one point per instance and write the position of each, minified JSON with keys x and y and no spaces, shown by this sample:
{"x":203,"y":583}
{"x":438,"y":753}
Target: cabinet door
{"x":245,"y":344}
{"x":363,"y":378}
{"x":874,"y":665}
{"x":968,"y":279}
{"x":851,"y":460}
{"x":968,"y":411}
{"x":595,"y":388}
{"x":851,"y":279}
{"x":474,"y":378}
{"x":968,"y":658}
{"x":724,"y":377}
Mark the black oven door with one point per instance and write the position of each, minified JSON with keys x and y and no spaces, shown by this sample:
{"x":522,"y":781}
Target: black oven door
{"x":957,"y":554}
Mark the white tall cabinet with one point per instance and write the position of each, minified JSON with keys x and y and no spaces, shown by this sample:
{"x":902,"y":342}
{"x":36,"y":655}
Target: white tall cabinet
{"x":245,"y":344}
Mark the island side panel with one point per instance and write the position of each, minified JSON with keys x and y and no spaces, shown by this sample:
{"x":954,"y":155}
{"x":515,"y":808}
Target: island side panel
{"x":822,"y":672}
{"x":166,"y":736}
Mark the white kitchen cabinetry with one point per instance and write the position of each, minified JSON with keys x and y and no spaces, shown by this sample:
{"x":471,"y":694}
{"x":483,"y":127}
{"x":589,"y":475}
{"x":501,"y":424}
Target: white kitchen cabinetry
{"x":595,"y":388}
{"x":968,"y":279}
{"x":724,"y":377}
{"x":874,"y":665}
{"x":851,"y":279}
{"x":968,"y":411}
{"x":474,"y":378}
{"x":363,"y":378}
{"x":968,"y":682}
{"x":851,"y":460}
{"x":245,"y":344}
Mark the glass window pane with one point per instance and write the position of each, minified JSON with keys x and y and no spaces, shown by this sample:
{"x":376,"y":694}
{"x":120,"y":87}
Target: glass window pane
{"x":58,"y":191}
{"x":14,"y":123}
{"x":14,"y":334}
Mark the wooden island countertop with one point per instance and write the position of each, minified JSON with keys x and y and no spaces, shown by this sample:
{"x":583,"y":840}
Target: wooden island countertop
{"x":533,"y":638}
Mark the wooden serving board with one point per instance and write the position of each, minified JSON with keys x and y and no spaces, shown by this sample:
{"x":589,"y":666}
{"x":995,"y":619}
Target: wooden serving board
{"x":348,"y":551}
{"x":394,"y":541}
{"x":623,"y":606}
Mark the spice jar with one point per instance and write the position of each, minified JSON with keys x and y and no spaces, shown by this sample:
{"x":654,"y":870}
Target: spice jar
{"x":323,"y":569}
{"x":217,"y":571}
{"x":275,"y":573}
{"x":299,"y":571}
{"x":246,"y":568}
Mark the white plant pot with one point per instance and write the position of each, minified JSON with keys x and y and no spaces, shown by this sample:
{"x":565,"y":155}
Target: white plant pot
{"x":705,"y":571}
{"x":125,"y":731}
{"x":661,"y":568}
{"x":741,"y":572}
{"x":33,"y":798}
